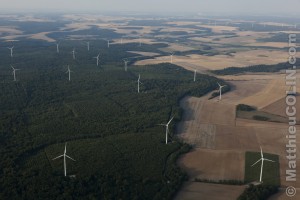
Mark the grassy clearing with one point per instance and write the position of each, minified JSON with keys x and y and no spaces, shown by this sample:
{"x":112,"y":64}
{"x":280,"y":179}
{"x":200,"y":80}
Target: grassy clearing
{"x":270,"y":170}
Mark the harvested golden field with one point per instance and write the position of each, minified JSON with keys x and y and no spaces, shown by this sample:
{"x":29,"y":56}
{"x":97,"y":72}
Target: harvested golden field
{"x":9,"y":30}
{"x":144,"y":53}
{"x":273,"y":91}
{"x":279,"y":108}
{"x":177,"y":47}
{"x":42,"y":36}
{"x":244,"y":135}
{"x":214,"y":164}
{"x":206,"y":191}
{"x":240,"y":59}
{"x":269,"y":44}
{"x":219,"y":137}
{"x":220,"y":29}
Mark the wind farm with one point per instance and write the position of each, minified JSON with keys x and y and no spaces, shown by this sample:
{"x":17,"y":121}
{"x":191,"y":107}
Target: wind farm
{"x":151,"y":107}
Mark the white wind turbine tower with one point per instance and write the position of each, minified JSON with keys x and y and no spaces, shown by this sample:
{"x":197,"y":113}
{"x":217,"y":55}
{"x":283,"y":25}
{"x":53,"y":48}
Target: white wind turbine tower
{"x":220,"y":89}
{"x":108,"y":43}
{"x":65,"y":156}
{"x":73,"y":52}
{"x":171,"y":55}
{"x":88,"y":46}
{"x":69,"y":71}
{"x":195,"y":74}
{"x":11,"y":50}
{"x":139,"y":82}
{"x":14,"y":72}
{"x":57,"y":47}
{"x":167,"y":128}
{"x":125,"y":64}
{"x":262,"y":159}
{"x":97,"y":57}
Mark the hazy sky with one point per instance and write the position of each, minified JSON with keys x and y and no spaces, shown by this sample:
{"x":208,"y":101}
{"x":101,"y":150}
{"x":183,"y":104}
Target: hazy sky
{"x":215,"y":6}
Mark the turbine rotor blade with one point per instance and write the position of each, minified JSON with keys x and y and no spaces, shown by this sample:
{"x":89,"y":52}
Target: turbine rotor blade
{"x":261,"y":153}
{"x":170,"y":120}
{"x":161,"y":124}
{"x":256,"y":162}
{"x":65,"y":148}
{"x":58,"y":157}
{"x":70,"y":158}
{"x":269,"y":160}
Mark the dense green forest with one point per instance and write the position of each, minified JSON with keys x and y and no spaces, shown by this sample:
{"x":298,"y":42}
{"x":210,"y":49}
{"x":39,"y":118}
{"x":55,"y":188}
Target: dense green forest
{"x":254,"y":69}
{"x":111,"y":129}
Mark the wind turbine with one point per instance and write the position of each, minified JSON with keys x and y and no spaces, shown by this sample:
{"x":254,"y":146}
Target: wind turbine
{"x":125,"y":64}
{"x":220,"y":89}
{"x":139,"y":82}
{"x":172,"y":54}
{"x":262,"y":159}
{"x":14,"y":72}
{"x":73,"y":52}
{"x":97,"y":57}
{"x":195,"y":74}
{"x":11,"y":50}
{"x":108,"y":43}
{"x":57,"y":47}
{"x":65,"y":156}
{"x":88,"y":46}
{"x":69,"y":71}
{"x":167,"y":128}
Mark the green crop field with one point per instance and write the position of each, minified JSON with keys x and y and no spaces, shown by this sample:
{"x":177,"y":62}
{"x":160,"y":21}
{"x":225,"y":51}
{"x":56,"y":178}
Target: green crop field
{"x":270,"y":169}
